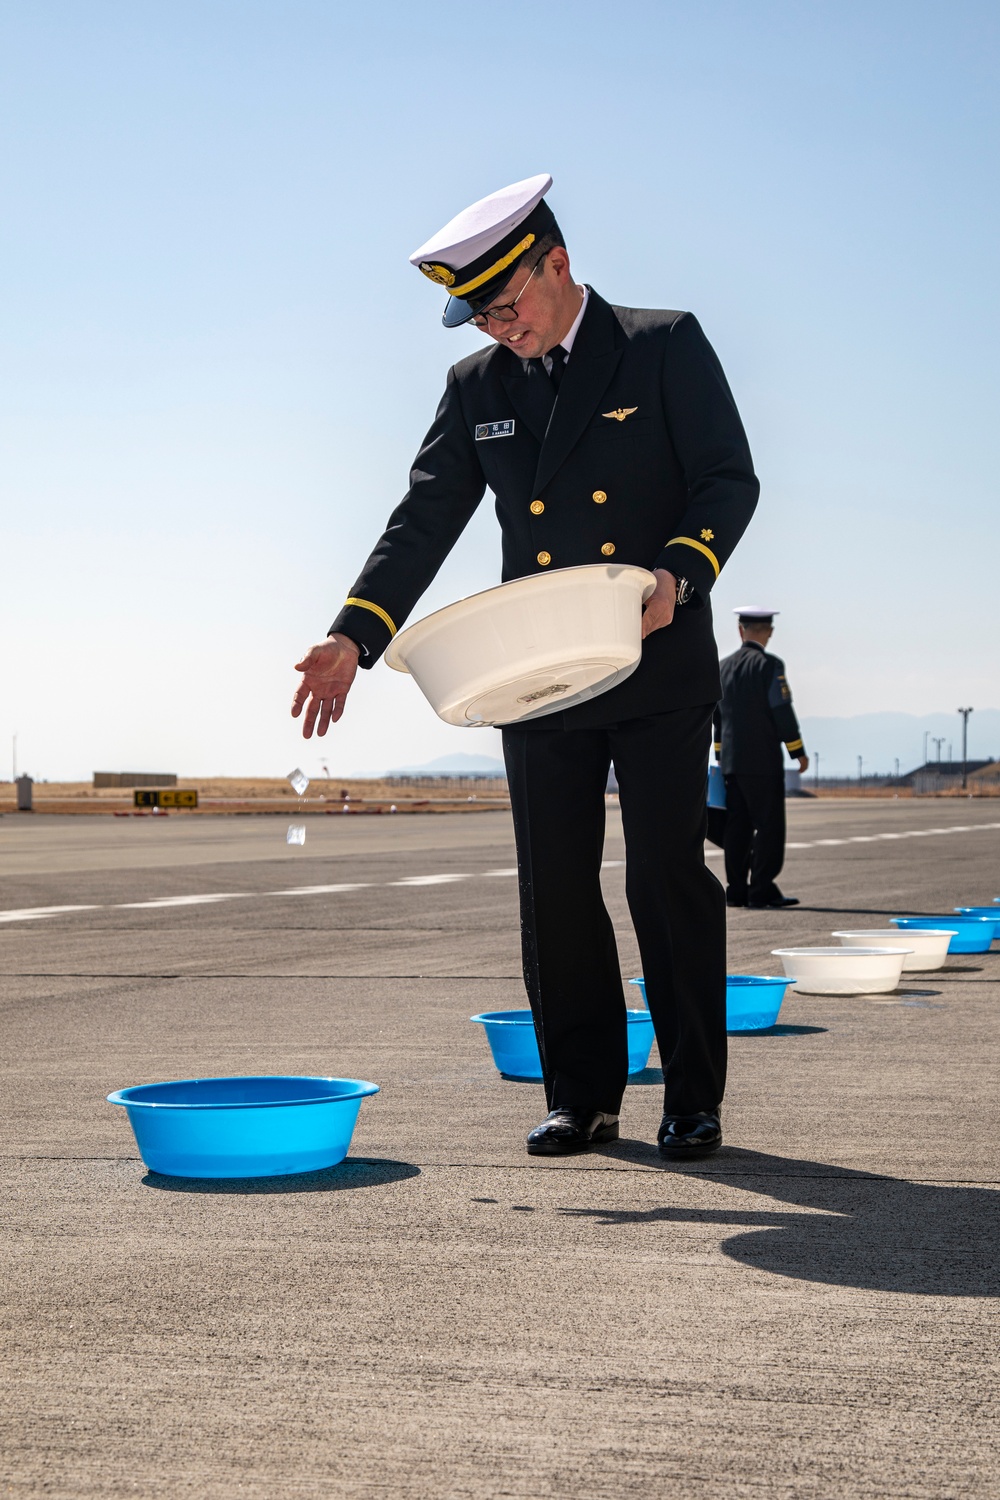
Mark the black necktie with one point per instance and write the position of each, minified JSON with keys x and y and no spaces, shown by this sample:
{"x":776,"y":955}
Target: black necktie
{"x":558,"y":358}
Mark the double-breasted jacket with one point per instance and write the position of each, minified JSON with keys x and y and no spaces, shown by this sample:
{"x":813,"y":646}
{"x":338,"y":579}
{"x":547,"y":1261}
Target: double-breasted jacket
{"x":642,"y":459}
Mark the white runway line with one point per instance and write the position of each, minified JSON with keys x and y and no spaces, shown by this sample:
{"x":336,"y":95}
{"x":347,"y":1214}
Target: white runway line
{"x":320,"y":890}
{"x":187,"y":900}
{"x":32,"y":913}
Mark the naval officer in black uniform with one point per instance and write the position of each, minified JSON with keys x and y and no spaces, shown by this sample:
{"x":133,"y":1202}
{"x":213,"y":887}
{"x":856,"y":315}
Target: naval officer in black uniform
{"x":752,"y":721}
{"x":603,"y":432}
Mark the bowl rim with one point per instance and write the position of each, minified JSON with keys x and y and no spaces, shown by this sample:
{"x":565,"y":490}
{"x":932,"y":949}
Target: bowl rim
{"x":503,"y":1017}
{"x":391,"y":653}
{"x":360,"y":1088}
{"x":741,"y":979}
{"x":889,"y":932}
{"x":937,"y":916}
{"x":762,"y":979}
{"x":825,"y":950}
{"x":896,"y":921}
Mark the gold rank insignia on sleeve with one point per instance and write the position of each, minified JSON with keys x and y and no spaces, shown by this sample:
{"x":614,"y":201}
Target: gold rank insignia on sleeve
{"x":707,"y":534}
{"x":620,"y":413}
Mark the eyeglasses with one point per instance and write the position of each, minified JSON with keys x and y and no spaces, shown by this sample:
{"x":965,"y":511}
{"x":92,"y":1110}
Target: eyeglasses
{"x":505,"y":312}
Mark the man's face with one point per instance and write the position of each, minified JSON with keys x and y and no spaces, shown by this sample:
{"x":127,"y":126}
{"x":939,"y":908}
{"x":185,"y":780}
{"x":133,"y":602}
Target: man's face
{"x":542,"y":308}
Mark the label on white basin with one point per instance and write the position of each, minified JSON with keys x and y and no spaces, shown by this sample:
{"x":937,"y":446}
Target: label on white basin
{"x":541,"y":692}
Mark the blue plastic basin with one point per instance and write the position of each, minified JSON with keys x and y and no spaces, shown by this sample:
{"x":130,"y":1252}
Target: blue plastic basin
{"x":752,"y":1000}
{"x":984,"y":914}
{"x":243,"y":1127}
{"x":511,"y":1035}
{"x":716,"y":787}
{"x":971,"y":936}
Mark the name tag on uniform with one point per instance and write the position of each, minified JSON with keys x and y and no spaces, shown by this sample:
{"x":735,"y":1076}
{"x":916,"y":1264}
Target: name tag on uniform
{"x":486,"y":430}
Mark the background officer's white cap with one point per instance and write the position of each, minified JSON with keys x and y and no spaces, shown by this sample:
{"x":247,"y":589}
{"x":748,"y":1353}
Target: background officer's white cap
{"x":477,"y":252}
{"x":755,"y":612}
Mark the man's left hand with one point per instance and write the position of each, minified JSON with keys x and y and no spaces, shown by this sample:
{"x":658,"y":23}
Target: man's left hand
{"x":659,"y":607}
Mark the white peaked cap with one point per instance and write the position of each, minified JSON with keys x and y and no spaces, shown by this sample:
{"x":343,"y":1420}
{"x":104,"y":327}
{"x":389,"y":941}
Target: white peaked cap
{"x":478,"y":228}
{"x":755,"y":612}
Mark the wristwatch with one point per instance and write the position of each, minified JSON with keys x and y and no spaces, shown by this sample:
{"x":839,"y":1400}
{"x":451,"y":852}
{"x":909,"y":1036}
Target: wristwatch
{"x":684,"y":591}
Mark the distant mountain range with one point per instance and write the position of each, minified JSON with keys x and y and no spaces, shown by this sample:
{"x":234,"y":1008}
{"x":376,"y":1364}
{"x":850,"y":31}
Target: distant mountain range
{"x":880,"y":739}
{"x":453,"y":765}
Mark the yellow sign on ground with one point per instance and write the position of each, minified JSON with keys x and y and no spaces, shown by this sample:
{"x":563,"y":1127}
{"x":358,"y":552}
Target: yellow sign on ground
{"x":167,"y":797}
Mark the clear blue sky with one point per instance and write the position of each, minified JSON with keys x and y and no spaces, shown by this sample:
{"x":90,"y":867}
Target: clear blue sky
{"x":217,"y":362}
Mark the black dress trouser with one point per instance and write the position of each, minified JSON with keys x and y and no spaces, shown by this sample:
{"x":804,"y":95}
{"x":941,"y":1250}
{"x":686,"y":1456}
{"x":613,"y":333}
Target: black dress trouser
{"x":755,"y":836}
{"x":557,"y":782}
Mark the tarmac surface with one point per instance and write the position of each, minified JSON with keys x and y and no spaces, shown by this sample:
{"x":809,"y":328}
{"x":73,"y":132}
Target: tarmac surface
{"x":811,"y":1312}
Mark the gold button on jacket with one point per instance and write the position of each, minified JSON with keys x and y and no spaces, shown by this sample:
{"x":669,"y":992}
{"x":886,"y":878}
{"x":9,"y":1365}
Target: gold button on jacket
{"x":536,"y":507}
{"x":598,"y":497}
{"x":608,"y":548}
{"x":545,"y":558}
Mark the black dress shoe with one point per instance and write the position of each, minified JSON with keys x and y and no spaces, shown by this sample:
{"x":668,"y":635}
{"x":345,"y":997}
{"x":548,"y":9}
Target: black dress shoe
{"x":731,"y":902}
{"x":775,"y":905}
{"x":567,"y":1130}
{"x":687,"y":1137}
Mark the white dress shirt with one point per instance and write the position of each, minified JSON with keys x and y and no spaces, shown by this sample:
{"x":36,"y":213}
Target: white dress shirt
{"x":567,"y":339}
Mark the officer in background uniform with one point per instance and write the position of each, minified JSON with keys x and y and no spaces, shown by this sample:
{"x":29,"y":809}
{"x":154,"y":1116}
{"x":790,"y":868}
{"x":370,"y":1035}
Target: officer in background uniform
{"x":605,"y":433}
{"x":753,"y":718}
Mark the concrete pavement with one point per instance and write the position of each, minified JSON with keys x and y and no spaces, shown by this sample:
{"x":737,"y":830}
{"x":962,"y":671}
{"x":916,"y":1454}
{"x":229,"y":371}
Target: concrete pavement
{"x":806,"y":1314}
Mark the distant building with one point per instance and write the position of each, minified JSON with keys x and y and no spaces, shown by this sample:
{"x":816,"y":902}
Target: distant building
{"x":134,"y":778}
{"x":939,"y":775}
{"x":987,"y":778}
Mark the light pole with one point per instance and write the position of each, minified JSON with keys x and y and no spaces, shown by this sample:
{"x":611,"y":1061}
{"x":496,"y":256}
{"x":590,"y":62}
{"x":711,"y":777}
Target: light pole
{"x":926,"y":733}
{"x":897,"y":767}
{"x":939,"y":743}
{"x":860,"y":764}
{"x":965,"y":712}
{"x":816,"y":759}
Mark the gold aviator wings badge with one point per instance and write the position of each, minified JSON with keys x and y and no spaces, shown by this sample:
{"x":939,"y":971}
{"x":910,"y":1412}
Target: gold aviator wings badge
{"x":621,"y":413}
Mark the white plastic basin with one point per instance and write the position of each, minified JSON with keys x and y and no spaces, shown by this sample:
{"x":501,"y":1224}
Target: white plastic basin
{"x":841,"y":971}
{"x":921,"y":950}
{"x":529,"y":647}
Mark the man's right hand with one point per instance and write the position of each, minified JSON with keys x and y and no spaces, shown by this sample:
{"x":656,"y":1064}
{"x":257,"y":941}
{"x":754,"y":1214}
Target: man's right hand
{"x":328,"y":670}
{"x":803,"y":764}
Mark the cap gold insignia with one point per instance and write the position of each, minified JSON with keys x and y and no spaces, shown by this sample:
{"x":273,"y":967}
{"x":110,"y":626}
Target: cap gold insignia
{"x":708,"y":535}
{"x":440,"y":274}
{"x":621,"y":413}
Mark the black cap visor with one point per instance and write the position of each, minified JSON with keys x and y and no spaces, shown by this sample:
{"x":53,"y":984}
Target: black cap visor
{"x":459,"y":309}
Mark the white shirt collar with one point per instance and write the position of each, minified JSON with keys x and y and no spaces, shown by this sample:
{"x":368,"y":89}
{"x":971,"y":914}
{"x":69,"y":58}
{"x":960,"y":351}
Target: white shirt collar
{"x":567,"y":340}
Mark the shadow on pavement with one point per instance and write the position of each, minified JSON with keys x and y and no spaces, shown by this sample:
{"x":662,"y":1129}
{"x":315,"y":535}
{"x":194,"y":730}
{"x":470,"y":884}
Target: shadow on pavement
{"x":853,"y":1229}
{"x":781,"y":1030}
{"x":357,"y":1173}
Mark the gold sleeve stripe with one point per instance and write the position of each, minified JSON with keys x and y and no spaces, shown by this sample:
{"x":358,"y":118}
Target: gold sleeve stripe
{"x":717,"y":745}
{"x":793,"y":745}
{"x":494,"y":270}
{"x":376,"y":609}
{"x":689,"y":541}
